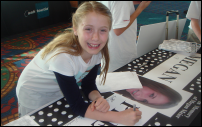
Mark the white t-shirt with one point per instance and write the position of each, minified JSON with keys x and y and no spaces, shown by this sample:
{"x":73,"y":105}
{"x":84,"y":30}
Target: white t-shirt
{"x":38,"y":75}
{"x":194,"y":11}
{"x":122,"y":48}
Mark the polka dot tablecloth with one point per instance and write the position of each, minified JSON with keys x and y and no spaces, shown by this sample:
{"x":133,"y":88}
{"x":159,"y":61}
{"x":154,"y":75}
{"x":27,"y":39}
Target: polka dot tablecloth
{"x":56,"y":114}
{"x":147,"y":62}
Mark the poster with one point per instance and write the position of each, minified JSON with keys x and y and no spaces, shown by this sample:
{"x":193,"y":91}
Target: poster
{"x":181,"y":74}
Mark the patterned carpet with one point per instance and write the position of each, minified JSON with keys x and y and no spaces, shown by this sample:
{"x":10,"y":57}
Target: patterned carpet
{"x":18,"y":50}
{"x":16,"y":53}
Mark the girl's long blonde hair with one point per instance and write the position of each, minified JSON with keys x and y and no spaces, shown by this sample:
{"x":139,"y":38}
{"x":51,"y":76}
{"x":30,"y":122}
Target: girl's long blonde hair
{"x":69,"y":42}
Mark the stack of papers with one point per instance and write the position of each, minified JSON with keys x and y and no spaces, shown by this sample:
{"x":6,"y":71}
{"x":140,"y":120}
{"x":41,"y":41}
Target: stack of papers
{"x":179,"y":45}
{"x":118,"y":81}
{"x":25,"y":120}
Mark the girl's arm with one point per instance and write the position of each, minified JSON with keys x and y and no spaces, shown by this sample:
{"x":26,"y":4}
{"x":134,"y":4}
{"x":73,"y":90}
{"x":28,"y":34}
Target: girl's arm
{"x":72,"y":93}
{"x":127,"y":117}
{"x":74,"y":99}
{"x":89,"y":85}
{"x":90,"y":90}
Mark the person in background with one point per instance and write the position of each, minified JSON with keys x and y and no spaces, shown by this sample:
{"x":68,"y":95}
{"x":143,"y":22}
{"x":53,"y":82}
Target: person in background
{"x":194,"y":14}
{"x":122,"y":37}
{"x":153,"y":94}
{"x":70,"y":58}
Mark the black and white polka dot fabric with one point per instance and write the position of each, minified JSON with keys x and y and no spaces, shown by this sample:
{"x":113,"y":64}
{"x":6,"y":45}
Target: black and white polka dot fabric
{"x":56,"y":114}
{"x":195,"y":85}
{"x":147,"y":62}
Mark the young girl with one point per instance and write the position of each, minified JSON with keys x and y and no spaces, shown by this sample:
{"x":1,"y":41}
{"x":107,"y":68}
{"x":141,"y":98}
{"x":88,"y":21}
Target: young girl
{"x":71,"y":58}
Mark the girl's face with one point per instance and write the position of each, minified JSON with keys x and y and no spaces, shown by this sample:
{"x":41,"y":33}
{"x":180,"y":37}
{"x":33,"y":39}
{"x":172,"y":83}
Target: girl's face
{"x":92,"y":32}
{"x":148,"y":95}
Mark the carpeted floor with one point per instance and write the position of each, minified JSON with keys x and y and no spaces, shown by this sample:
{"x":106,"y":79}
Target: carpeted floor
{"x":18,"y":50}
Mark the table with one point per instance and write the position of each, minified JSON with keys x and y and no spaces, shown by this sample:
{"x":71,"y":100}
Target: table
{"x":196,"y":116}
{"x":189,"y":111}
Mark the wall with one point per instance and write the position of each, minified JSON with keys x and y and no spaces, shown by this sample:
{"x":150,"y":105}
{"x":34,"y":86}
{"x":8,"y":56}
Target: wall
{"x":22,"y":16}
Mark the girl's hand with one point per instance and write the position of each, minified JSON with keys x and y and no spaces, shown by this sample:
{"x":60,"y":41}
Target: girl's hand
{"x":130,"y":117}
{"x":100,"y":104}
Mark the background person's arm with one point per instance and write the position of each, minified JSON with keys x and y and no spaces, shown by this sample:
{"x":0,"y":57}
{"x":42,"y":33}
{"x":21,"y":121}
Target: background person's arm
{"x":196,"y":28}
{"x":139,"y":9}
{"x":136,"y":2}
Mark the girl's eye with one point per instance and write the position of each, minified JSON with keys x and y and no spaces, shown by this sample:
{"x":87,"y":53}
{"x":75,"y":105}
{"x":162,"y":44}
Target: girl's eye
{"x":151,"y":95}
{"x":145,"y":101}
{"x":103,"y":30}
{"x":88,"y":29}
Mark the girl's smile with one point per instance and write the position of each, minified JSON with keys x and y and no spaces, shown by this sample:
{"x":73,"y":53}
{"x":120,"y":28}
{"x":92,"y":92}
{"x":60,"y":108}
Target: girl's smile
{"x":93,"y":46}
{"x":134,"y":92}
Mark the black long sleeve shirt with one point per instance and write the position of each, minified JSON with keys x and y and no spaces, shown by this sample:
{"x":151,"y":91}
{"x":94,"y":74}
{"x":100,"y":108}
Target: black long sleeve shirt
{"x":71,"y":90}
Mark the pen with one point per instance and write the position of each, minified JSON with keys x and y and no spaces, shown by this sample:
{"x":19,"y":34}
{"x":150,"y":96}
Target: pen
{"x":144,"y":64}
{"x":134,"y":107}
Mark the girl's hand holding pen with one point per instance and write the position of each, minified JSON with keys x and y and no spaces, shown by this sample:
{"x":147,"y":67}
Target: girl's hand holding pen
{"x":130,"y":117}
{"x":100,"y":104}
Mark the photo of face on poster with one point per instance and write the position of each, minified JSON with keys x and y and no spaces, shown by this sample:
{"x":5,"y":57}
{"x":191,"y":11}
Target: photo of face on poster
{"x":153,"y":94}
{"x":155,"y":98}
